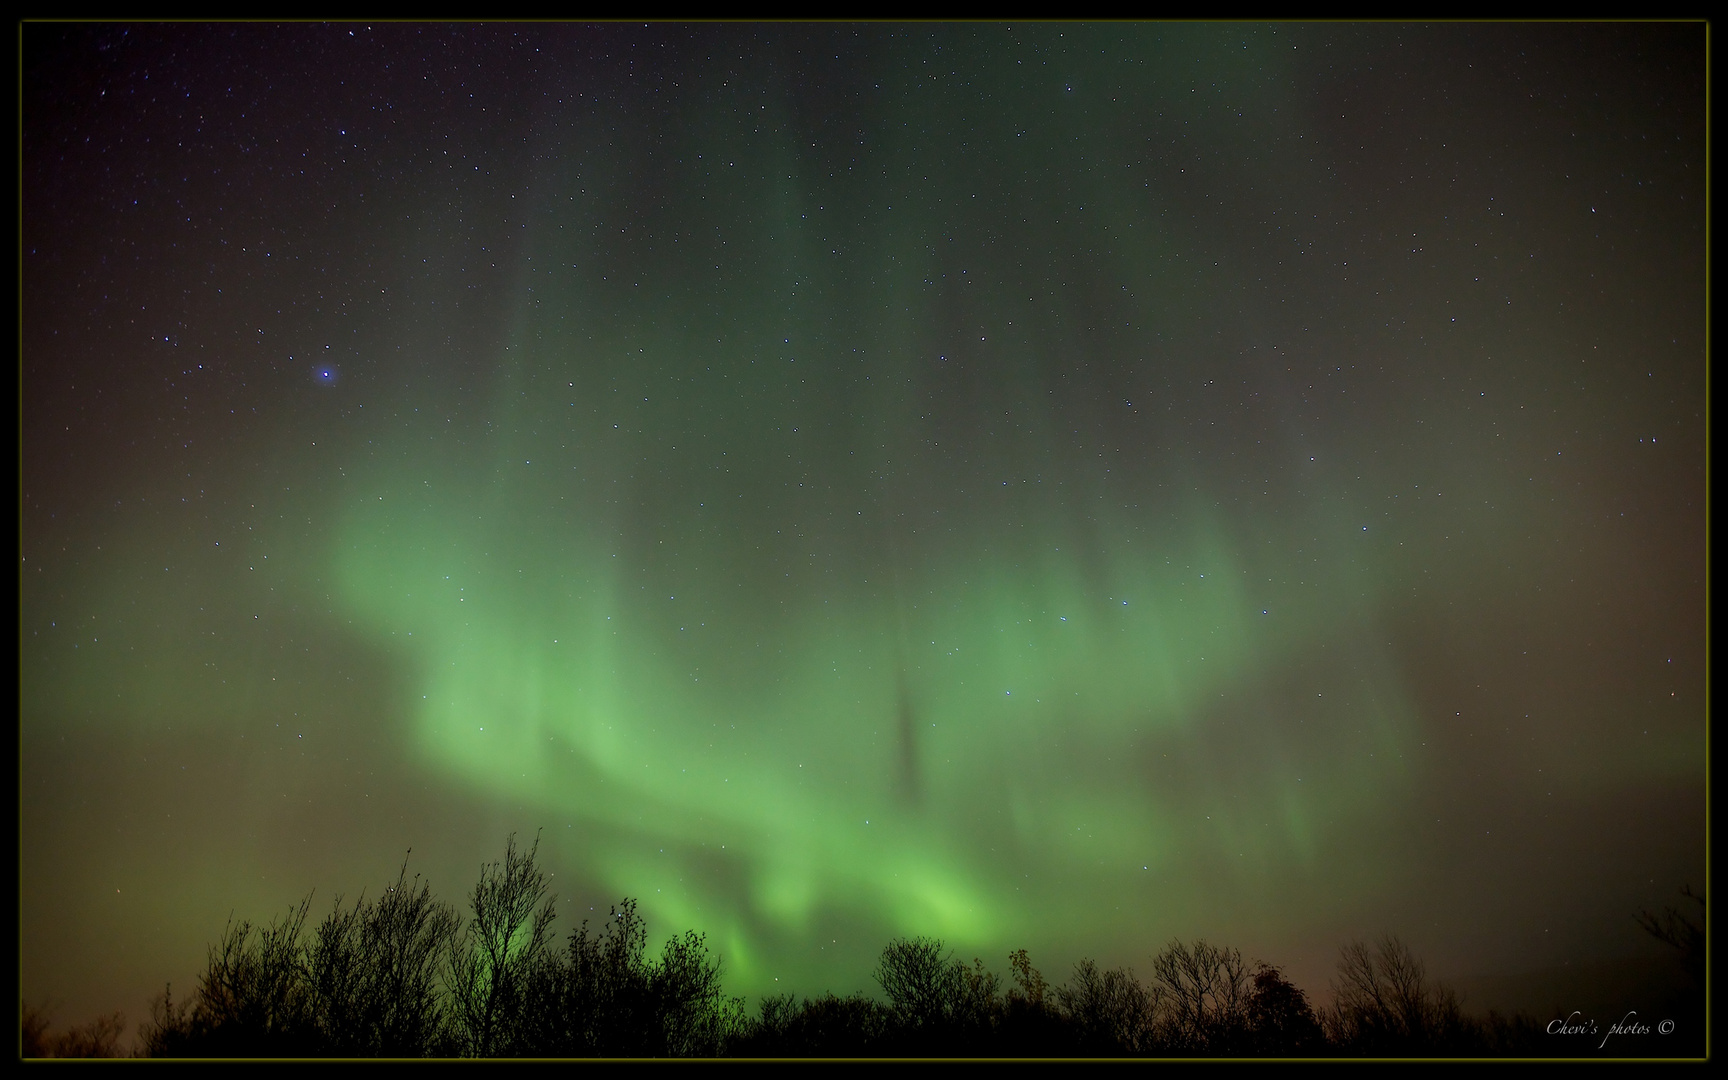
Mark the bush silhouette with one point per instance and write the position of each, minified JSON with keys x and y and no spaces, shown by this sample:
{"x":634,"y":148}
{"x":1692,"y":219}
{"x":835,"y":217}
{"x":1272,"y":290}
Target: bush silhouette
{"x":100,"y":1038}
{"x":495,"y":965}
{"x":605,"y":997}
{"x":404,"y":976}
{"x":33,"y":1041}
{"x":1684,"y":931}
{"x":1202,"y":998}
{"x":253,"y":999}
{"x":1032,"y":1023}
{"x":1281,"y":1023}
{"x":375,"y":969}
{"x":1108,"y":1013}
{"x":1677,"y":928}
{"x":827,"y":1026}
{"x":597,"y":1001}
{"x":1385,"y":1005}
{"x":935,"y":1000}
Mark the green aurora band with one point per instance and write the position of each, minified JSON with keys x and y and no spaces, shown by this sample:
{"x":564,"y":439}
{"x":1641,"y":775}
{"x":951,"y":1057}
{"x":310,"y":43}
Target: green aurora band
{"x":791,"y":610}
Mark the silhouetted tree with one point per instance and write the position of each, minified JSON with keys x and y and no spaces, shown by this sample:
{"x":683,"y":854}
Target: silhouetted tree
{"x":1280,"y":1021}
{"x":1686,"y":934}
{"x":696,"y":1018}
{"x":1032,"y":1023}
{"x":845,"y":1026}
{"x":403,"y":975}
{"x":494,"y":963}
{"x":374,"y":970}
{"x":253,"y":997}
{"x":827,"y":1026}
{"x":936,"y":1003}
{"x":771,"y":1032}
{"x":169,"y":1031}
{"x":607,"y":982}
{"x":597,"y":1000}
{"x":919,"y":982}
{"x":1107,"y":1012}
{"x":605,"y":997}
{"x":978,"y":1009}
{"x":1384,"y":1004}
{"x":34,"y":1036}
{"x":1518,"y":1035}
{"x":1674,"y":927}
{"x":100,"y":1038}
{"x":1203,"y":1000}
{"x":338,"y":975}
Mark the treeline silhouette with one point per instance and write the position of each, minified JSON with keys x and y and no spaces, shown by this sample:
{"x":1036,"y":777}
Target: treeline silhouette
{"x":403,"y":975}
{"x":100,"y":1038}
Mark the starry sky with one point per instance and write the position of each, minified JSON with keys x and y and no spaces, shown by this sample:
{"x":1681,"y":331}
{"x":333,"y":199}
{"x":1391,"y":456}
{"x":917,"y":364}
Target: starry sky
{"x":1049,"y":486}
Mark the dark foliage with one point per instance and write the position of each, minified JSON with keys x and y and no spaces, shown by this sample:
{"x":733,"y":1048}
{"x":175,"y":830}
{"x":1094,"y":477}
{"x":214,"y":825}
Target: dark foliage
{"x":1107,"y":1013}
{"x":1203,"y":993}
{"x":1280,"y":1022}
{"x":607,"y":998}
{"x":100,"y":1038}
{"x":1033,"y":1025}
{"x":1684,"y":931}
{"x":1386,"y":1007}
{"x":404,"y":976}
{"x":254,"y":999}
{"x":33,"y":1041}
{"x":374,"y":972}
{"x":1686,"y":934}
{"x":497,"y":965}
{"x":936,"y":1004}
{"x":1499,"y":1035}
{"x":169,"y":1032}
{"x":827,"y":1026}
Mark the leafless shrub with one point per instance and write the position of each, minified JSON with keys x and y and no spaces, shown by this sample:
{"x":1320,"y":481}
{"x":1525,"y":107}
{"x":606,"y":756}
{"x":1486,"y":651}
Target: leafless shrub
{"x":1109,"y":1012}
{"x":100,"y":1038}
{"x":491,"y":963}
{"x":1384,"y":1003}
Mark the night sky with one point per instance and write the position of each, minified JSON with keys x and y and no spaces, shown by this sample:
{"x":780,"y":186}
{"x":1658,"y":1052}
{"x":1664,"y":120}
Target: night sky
{"x":1062,"y":487}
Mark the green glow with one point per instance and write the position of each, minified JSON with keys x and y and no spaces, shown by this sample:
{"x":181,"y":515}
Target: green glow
{"x":735,"y":755}
{"x":794,"y":630}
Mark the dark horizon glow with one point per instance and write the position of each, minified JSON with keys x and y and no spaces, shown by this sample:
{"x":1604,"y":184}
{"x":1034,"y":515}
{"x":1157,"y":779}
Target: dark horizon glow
{"x":1065,"y":487}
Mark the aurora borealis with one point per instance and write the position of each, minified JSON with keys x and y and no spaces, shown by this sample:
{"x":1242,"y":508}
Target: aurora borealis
{"x":1047,"y":486}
